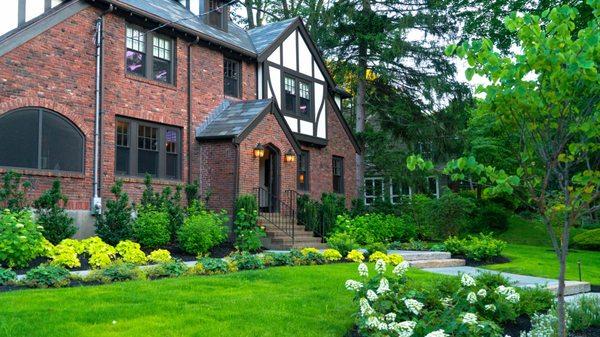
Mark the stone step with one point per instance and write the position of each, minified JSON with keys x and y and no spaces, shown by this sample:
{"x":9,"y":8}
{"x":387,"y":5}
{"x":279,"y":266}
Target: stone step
{"x":436,"y":263}
{"x":413,"y":255}
{"x":572,"y":287}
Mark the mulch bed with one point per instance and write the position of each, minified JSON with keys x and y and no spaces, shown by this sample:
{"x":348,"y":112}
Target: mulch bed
{"x":593,"y":331}
{"x":522,"y":323}
{"x":473,"y":263}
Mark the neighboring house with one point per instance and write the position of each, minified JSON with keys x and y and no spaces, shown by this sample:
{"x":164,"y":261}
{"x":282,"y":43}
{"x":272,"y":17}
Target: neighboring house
{"x":95,"y":91}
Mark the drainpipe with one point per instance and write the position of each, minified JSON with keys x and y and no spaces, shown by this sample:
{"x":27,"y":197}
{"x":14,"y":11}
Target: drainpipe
{"x":189,"y":108}
{"x":97,"y":200}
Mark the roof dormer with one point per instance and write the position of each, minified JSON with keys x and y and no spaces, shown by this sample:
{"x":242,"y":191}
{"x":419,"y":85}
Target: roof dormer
{"x":214,"y":13}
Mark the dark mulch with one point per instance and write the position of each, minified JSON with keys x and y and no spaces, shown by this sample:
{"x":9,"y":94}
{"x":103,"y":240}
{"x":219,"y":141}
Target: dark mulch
{"x":593,"y":331}
{"x":353,"y":332}
{"x":595,"y":288}
{"x":522,"y":323}
{"x":473,"y":263}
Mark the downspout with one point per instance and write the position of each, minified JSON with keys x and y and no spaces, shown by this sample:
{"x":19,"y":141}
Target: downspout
{"x":97,"y":200}
{"x":189,"y":108}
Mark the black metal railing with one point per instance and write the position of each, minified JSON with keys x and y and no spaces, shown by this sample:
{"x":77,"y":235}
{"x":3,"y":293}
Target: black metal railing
{"x":308,"y":214}
{"x":279,"y":213}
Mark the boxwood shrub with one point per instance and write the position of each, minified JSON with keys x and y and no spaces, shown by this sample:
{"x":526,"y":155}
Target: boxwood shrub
{"x":590,"y":239}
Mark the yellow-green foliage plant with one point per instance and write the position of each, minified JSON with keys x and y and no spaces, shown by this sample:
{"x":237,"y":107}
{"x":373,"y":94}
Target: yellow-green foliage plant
{"x":101,"y":253}
{"x":130,"y":252}
{"x":355,"y":256}
{"x":64,"y":255}
{"x":308,"y":250}
{"x":78,"y":246}
{"x":332,"y":255}
{"x":160,"y":256}
{"x":379,"y":256}
{"x":395,"y":259}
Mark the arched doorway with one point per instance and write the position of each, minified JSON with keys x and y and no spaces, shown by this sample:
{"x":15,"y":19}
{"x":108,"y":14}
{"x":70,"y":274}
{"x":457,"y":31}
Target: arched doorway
{"x":269,"y":178}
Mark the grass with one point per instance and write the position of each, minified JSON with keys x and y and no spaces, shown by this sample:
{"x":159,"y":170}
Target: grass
{"x":531,"y":232}
{"x":284,"y":301}
{"x":541,"y":261}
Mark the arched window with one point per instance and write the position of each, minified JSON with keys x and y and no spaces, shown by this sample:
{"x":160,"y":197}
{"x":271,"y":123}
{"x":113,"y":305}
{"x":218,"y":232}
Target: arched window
{"x":41,"y":139}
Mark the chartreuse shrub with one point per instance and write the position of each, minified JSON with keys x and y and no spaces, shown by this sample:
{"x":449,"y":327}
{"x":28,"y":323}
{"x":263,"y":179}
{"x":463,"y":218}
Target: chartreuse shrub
{"x":66,"y":253}
{"x":151,"y":228}
{"x":202,"y":230}
{"x":51,"y":215}
{"x":480,"y":247}
{"x":7,"y":276}
{"x":355,"y":256}
{"x":342,"y":242}
{"x":130,"y":252}
{"x":332,"y":255}
{"x":101,"y":253}
{"x":21,"y":239}
{"x":160,"y":256}
{"x":395,"y":259}
{"x":379,"y":256}
{"x":47,"y":276}
{"x":589,"y":239}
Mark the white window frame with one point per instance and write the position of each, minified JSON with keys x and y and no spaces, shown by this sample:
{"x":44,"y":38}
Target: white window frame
{"x":372,"y":181}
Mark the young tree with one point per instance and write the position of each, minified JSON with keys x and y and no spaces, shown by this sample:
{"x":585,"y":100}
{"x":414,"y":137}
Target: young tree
{"x":548,"y":95}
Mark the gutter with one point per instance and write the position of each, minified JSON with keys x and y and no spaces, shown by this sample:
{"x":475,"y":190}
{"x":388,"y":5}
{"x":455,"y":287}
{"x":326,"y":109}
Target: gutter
{"x":189,"y":108}
{"x":96,"y":199}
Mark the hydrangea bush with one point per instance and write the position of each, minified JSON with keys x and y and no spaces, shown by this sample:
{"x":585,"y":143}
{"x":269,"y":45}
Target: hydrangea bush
{"x":388,"y":307}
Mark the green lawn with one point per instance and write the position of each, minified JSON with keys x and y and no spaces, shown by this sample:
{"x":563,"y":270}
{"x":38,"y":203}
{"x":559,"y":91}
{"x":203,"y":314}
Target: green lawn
{"x":529,"y":232}
{"x":278,"y":302}
{"x":541,"y":261}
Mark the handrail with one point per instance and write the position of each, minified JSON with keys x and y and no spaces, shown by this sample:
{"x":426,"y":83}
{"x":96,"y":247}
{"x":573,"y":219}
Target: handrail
{"x":279,"y":214}
{"x":318,"y":229}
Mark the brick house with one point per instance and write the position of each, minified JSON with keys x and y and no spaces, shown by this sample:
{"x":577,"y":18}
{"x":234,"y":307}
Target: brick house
{"x":94,"y":91}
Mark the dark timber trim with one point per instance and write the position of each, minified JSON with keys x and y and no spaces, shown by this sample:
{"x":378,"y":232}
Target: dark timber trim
{"x":311,"y":140}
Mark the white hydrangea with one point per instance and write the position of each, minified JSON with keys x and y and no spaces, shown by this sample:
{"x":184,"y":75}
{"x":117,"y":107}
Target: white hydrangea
{"x":390,"y":317}
{"x":380,"y":266}
{"x":372,"y":322}
{"x":413,"y":306}
{"x":509,"y":293}
{"x":404,"y":329}
{"x":365,"y":307}
{"x":437,"y":333}
{"x":482,"y":293}
{"x":513,"y":298}
{"x":407,"y":325}
{"x":384,"y":286}
{"x":353,"y":285}
{"x":469,"y":318}
{"x":490,"y":307}
{"x":472,"y":298}
{"x":401,"y":268}
{"x":371,"y":295}
{"x":363,"y":270}
{"x":446,"y":301}
{"x":467,"y":280}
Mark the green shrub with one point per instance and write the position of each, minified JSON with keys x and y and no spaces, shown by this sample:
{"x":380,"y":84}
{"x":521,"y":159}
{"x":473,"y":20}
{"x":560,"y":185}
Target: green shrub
{"x":130,"y":252}
{"x":47,"y":276}
{"x":213,"y":266}
{"x":332,"y":205}
{"x":590,"y":239}
{"x":583,"y":313}
{"x":247,"y":261}
{"x":21,"y":239}
{"x":202,"y":231}
{"x":418,"y":211}
{"x":491,"y":217}
{"x":480,"y":247}
{"x":247,"y":231}
{"x":151,"y":228}
{"x":535,"y":300}
{"x":308,"y":213}
{"x":173,"y":268}
{"x":376,"y":228}
{"x":114,"y":224}
{"x":58,"y":225}
{"x":7,"y":276}
{"x":358,"y":207}
{"x":246,"y":202}
{"x":12,"y":192}
{"x":376,"y":247}
{"x":115,"y":272}
{"x":279,"y":259}
{"x":175,"y":211}
{"x":191,"y":192}
{"x":492,"y":280}
{"x":342,"y":242}
{"x":452,"y":213}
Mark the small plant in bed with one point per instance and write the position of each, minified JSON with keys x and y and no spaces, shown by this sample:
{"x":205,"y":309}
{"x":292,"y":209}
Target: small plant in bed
{"x":246,"y":261}
{"x":174,"y":268}
{"x":7,"y":277}
{"x":480,"y":248}
{"x":47,"y":276}
{"x":117,"y":271}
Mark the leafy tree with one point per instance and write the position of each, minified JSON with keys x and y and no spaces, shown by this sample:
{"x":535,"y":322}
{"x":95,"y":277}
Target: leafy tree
{"x":58,"y":225}
{"x":548,"y":94}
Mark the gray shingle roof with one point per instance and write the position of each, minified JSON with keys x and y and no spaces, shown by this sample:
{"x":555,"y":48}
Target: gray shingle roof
{"x":262,"y":37}
{"x":230,"y":119}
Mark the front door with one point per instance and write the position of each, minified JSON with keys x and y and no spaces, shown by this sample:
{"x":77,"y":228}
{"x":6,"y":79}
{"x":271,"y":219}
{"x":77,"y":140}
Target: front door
{"x":269,"y":178}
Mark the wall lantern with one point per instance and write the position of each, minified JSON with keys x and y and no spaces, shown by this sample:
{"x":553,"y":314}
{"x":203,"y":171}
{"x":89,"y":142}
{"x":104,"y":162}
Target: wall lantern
{"x":259,"y":151}
{"x":290,"y":156}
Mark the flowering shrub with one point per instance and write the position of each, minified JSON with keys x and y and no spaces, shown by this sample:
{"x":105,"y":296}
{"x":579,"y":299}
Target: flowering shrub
{"x":21,"y":239}
{"x":388,"y":307}
{"x":130,"y":252}
{"x":378,"y":256}
{"x":160,"y":256}
{"x":100,"y":252}
{"x":332,"y":255}
{"x":355,"y":256}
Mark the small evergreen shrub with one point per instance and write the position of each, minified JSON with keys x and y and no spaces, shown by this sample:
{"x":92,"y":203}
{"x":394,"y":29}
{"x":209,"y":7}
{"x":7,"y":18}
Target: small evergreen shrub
{"x":47,"y":276}
{"x":191,"y":192}
{"x":114,"y":224}
{"x":7,"y":276}
{"x":247,"y":261}
{"x":13,"y":191}
{"x":342,"y":242}
{"x":308,"y":213}
{"x":535,"y":300}
{"x":58,"y":225}
{"x":21,"y":239}
{"x":590,"y":240}
{"x":201,"y":231}
{"x":130,"y":252}
{"x":151,"y":228}
{"x":247,"y":202}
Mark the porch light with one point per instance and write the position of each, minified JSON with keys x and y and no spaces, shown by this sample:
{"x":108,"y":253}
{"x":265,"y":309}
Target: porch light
{"x":290,"y":156}
{"x":259,"y":151}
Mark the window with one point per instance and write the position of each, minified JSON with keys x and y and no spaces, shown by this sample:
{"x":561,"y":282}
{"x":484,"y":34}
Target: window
{"x":216,"y":17}
{"x":374,"y":189}
{"x":303,"y":171}
{"x":232,"y":78}
{"x":40,"y":139}
{"x":297,"y":96}
{"x":338,"y":174}
{"x":156,"y":56}
{"x":147,"y":148}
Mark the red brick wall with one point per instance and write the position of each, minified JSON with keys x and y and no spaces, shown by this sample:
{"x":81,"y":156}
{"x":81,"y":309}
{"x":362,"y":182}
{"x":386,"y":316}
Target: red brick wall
{"x":320,"y":171}
{"x":217,"y":173}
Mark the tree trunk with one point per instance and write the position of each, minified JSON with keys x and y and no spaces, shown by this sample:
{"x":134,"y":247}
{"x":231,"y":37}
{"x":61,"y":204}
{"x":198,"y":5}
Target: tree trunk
{"x":249,"y":15}
{"x":361,"y":92}
{"x":560,"y":296}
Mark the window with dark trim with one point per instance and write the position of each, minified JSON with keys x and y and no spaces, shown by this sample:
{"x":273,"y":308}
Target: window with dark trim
{"x":38,"y":138}
{"x":231,"y":78}
{"x":147,"y":148}
{"x":337,"y":166}
{"x":149,"y":54}
{"x":216,"y":13}
{"x":297,"y":96}
{"x":303,"y":171}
